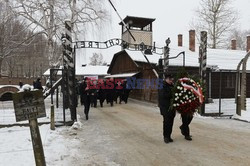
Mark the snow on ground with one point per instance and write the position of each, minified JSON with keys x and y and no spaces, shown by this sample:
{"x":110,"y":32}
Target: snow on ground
{"x":228,"y":107}
{"x":16,"y":146}
{"x":61,"y":147}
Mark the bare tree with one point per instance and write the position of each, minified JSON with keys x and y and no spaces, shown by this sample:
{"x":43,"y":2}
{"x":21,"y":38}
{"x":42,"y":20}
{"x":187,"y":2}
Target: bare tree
{"x":97,"y":59}
{"x":40,"y":13}
{"x":82,"y":14}
{"x":14,"y":34}
{"x":217,"y":17}
{"x":48,"y":16}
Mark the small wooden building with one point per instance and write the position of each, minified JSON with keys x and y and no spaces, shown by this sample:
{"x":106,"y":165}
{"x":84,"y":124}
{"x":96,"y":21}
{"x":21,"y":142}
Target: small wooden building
{"x":126,"y":64}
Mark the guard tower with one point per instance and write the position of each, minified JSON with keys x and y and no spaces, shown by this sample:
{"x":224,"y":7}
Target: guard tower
{"x":141,"y":29}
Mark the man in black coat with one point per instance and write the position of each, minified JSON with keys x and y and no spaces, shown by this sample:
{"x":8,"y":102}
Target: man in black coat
{"x":101,"y":92}
{"x":85,"y":96}
{"x":110,"y":91}
{"x":164,"y":98}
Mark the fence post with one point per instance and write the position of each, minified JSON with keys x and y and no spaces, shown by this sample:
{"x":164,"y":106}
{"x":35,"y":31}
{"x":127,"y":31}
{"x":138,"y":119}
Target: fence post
{"x":238,"y":105}
{"x":52,"y":117}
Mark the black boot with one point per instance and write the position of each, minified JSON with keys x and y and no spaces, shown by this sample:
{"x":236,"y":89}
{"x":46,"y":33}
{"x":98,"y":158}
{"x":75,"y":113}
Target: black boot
{"x":188,"y":137}
{"x":168,"y":139}
{"x":87,"y":116}
{"x":182,"y":131}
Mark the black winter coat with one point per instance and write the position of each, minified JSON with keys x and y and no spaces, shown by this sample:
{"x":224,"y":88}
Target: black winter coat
{"x":164,"y":97}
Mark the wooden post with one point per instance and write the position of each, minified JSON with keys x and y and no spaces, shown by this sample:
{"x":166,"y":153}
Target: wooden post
{"x":37,"y":143}
{"x":52,"y":117}
{"x":220,"y":88}
{"x":238,"y":105}
{"x":57,"y":101}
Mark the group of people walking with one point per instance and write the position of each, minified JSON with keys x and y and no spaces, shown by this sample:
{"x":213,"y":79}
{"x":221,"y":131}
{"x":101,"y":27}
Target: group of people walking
{"x":92,"y":90}
{"x":164,"y":97}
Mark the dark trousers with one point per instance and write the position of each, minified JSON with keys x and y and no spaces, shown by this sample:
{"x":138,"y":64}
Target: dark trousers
{"x":186,"y":120}
{"x":86,"y":102}
{"x":168,"y":121}
{"x":93,"y":100}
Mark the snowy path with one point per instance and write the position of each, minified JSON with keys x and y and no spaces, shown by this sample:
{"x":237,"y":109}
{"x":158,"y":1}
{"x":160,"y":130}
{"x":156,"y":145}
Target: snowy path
{"x":131,"y":134}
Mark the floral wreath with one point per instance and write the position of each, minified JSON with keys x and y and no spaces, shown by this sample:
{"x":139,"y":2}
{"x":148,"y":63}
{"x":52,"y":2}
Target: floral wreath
{"x":188,"y":96}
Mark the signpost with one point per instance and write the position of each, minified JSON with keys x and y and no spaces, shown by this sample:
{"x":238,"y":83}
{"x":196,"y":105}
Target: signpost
{"x":29,"y":105}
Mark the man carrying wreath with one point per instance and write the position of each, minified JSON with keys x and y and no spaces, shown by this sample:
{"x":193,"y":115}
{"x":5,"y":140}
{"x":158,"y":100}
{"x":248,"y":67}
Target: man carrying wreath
{"x":164,"y":99}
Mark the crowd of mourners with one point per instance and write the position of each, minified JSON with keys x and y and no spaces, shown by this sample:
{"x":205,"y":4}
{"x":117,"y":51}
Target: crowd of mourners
{"x":110,"y":90}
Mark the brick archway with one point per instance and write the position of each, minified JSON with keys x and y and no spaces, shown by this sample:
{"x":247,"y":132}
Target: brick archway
{"x":8,"y":89}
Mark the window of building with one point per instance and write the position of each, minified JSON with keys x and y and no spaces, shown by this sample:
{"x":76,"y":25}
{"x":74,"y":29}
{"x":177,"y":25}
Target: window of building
{"x":230,"y":80}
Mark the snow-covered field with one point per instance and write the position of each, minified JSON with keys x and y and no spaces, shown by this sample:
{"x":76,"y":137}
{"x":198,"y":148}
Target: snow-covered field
{"x":16,"y":146}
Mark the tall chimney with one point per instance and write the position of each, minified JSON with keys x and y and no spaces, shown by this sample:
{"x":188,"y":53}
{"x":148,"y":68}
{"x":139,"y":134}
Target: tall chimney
{"x":192,"y":40}
{"x":248,"y":43}
{"x":180,"y":40}
{"x":233,"y":44}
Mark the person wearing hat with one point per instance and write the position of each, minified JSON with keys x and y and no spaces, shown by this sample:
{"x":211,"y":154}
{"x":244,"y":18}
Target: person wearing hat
{"x":164,"y":99}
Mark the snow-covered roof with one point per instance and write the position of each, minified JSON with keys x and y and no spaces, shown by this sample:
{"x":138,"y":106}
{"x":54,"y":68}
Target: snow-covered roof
{"x":47,"y":72}
{"x":87,"y":70}
{"x":139,"y":57}
{"x":92,"y":70}
{"x":223,"y":59}
{"x":220,"y":58}
{"x":124,"y":75}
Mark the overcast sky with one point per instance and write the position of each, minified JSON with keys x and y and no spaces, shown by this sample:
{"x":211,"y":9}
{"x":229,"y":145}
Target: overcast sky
{"x":173,"y":17}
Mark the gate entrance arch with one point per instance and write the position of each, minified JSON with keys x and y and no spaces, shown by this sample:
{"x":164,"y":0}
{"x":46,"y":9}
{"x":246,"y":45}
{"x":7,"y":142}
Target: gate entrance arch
{"x":6,"y":92}
{"x":69,"y":56}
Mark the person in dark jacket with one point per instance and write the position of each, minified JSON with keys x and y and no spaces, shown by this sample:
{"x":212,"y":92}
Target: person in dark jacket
{"x":93,"y":94}
{"x":125,"y":93}
{"x":101,"y":92}
{"x":164,"y":98}
{"x":110,"y":91}
{"x":20,"y":84}
{"x":38,"y":84}
{"x":85,"y":96}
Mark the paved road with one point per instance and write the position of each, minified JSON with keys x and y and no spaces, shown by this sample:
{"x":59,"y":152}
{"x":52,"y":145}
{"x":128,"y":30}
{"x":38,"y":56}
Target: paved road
{"x":131,"y":135}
